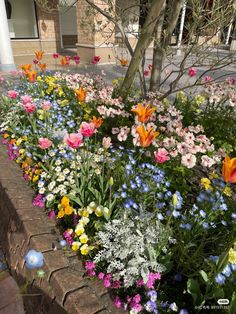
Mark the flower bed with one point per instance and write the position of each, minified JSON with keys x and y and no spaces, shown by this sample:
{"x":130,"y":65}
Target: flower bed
{"x":135,"y":187}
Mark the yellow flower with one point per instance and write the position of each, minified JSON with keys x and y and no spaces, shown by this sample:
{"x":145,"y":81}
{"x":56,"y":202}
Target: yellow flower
{"x":39,"y":79}
{"x":61,"y":214}
{"x":84,"y":221}
{"x":98,"y":211}
{"x":38,"y":171}
{"x":21,"y":151}
{"x":174,"y":200}
{"x":68,"y":210}
{"x":232,"y":256}
{"x":199,"y":99}
{"x":65,"y":201}
{"x":75,"y":245}
{"x":85,"y":213}
{"x":18,"y":142}
{"x":63,"y":102}
{"x":227,"y":191}
{"x":5,"y":135}
{"x":84,"y":250}
{"x":79,"y":229}
{"x":35,"y":178}
{"x":83,"y":238}
{"x":206,"y":183}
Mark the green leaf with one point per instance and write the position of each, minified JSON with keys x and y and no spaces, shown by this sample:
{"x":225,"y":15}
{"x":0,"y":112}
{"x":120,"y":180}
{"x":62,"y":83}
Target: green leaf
{"x":194,"y":289}
{"x":204,"y":275}
{"x":232,"y":308}
{"x":75,"y":199}
{"x":222,"y":262}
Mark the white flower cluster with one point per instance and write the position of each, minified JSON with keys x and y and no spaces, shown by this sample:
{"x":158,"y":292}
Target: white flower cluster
{"x":130,"y":246}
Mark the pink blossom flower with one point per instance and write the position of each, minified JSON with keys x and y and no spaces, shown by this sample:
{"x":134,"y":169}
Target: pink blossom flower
{"x":107,"y":282}
{"x":161,"y":155}
{"x":74,"y":140}
{"x":12,"y":94}
{"x":146,"y":73}
{"x":55,"y":55}
{"x":89,"y":265}
{"x":188,"y":160}
{"x":192,"y":72}
{"x":1,"y":79}
{"x":29,"y":107}
{"x":26,"y":99}
{"x":106,"y":142}
{"x":46,"y":105}
{"x":44,"y":143}
{"x":207,"y":161}
{"x":139,"y":283}
{"x":116,"y":284}
{"x":101,"y":276}
{"x":117,"y":302}
{"x":51,"y":214}
{"x":96,"y":59}
{"x":87,"y":129}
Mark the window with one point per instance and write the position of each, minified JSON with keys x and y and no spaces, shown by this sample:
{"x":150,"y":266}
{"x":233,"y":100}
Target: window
{"x":22,"y":19}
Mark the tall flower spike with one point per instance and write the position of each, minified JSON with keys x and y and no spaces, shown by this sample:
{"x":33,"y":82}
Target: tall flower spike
{"x":146,"y":136}
{"x":144,"y":112}
{"x":229,"y":170}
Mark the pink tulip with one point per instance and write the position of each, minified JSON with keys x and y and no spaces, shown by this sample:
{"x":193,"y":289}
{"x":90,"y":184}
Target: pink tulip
{"x":192,"y":72}
{"x":161,"y":155}
{"x":74,"y":140}
{"x":55,"y":55}
{"x":46,"y":105}
{"x":96,"y":59}
{"x":29,"y":107}
{"x":77,"y":59}
{"x":44,"y":143}
{"x":208,"y":79}
{"x":12,"y":94}
{"x":87,"y":129}
{"x":26,"y":99}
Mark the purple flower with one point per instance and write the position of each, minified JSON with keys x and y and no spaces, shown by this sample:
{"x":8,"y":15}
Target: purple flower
{"x":220,"y":279}
{"x":183,"y":311}
{"x":39,"y":200}
{"x":150,"y":306}
{"x":152,"y":295}
{"x":89,"y":265}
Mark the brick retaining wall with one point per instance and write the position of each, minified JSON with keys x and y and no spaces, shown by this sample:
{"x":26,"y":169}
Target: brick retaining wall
{"x":64,"y":289}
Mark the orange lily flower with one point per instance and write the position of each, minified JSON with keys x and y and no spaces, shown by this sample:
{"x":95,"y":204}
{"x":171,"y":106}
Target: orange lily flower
{"x":146,"y":136}
{"x":31,"y":75}
{"x":80,"y":94}
{"x":229,"y":170}
{"x":43,"y":66}
{"x":144,"y":113}
{"x":124,"y":62}
{"x":39,"y":55}
{"x":97,"y":122}
{"x":26,"y":67}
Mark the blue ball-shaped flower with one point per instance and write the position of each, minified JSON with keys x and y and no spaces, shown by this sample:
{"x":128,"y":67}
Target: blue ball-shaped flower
{"x":34,"y":259}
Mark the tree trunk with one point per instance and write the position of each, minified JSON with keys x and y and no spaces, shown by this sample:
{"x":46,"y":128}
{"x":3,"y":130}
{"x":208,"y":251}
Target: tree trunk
{"x":142,"y":44}
{"x":163,"y":37}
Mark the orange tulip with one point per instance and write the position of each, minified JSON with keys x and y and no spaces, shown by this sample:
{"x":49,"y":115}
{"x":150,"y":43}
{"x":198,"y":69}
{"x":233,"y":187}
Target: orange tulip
{"x":229,"y":170}
{"x":26,"y":67}
{"x":144,"y":113}
{"x":124,"y":62}
{"x":39,"y":55}
{"x":97,"y":122}
{"x":80,"y":94}
{"x":146,"y":136}
{"x":31,"y":75}
{"x":65,"y":60}
{"x":43,"y":66}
